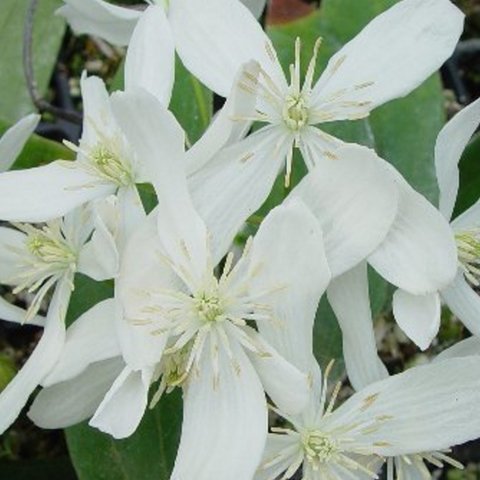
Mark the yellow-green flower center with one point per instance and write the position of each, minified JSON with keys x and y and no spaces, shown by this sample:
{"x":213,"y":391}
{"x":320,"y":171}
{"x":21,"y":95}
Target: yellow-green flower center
{"x":295,"y":112}
{"x":468,"y":246}
{"x":208,"y":307}
{"x":109,"y":164}
{"x":319,"y":447}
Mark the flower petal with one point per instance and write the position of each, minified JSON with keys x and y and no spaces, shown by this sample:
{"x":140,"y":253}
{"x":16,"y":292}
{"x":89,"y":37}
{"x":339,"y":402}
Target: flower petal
{"x":122,"y":409}
{"x":12,"y":313}
{"x":230,"y":188}
{"x":451,"y":143}
{"x":14,"y":139}
{"x":276,"y":445}
{"x":15,"y":395}
{"x":91,"y":338}
{"x":419,"y":254}
{"x":464,"y":302}
{"x":468,"y":220}
{"x":355,"y":199}
{"x":150,"y":61}
{"x":44,"y":193}
{"x":101,"y":19}
{"x":225,"y":130}
{"x":349,"y":298}
{"x":289,"y":273}
{"x":73,"y":401}
{"x":390,"y":57}
{"x":224,"y":421}
{"x":288,"y":387}
{"x":237,"y":36}
{"x":12,"y":250}
{"x":418,"y":316}
{"x":465,"y":348}
{"x":427,"y":408}
{"x":159,"y":141}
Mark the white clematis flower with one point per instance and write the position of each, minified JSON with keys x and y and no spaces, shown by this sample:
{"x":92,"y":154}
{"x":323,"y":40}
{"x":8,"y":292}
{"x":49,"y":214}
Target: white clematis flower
{"x":349,"y":297}
{"x":419,"y":316}
{"x":37,"y":260}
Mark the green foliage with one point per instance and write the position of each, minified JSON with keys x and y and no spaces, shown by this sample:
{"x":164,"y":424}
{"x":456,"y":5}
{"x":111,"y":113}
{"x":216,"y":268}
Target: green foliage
{"x":47,"y":36}
{"x":7,"y":371}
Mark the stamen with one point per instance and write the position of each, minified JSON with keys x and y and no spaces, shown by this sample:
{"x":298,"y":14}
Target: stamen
{"x":468,"y":246}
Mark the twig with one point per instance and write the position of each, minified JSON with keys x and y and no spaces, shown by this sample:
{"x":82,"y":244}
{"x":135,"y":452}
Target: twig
{"x":40,"y":103}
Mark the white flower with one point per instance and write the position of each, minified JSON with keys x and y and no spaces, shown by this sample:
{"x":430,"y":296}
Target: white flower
{"x":419,"y":316}
{"x":38,"y":259}
{"x":426,"y":409}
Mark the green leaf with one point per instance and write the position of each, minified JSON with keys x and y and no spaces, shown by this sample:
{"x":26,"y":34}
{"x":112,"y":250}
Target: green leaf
{"x":148,"y":454}
{"x":47,"y":37}
{"x":469,"y":166}
{"x":38,"y":151}
{"x":7,"y":371}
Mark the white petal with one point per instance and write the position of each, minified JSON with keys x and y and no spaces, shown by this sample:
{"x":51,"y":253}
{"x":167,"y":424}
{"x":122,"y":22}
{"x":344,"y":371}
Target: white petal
{"x":226,"y":127}
{"x":288,"y":265}
{"x":418,"y":316}
{"x":288,"y":387}
{"x":355,"y":199}
{"x":12,"y":251}
{"x":122,"y":409}
{"x":419,"y":254}
{"x":237,"y":36}
{"x":255,"y":6}
{"x":141,"y":272}
{"x":101,"y":19}
{"x":465,"y":348}
{"x":90,"y":339}
{"x":71,"y":402}
{"x":275,"y":445}
{"x":349,"y":297}
{"x":464,"y":302}
{"x":14,"y":139}
{"x":231,"y":187}
{"x":15,"y":395}
{"x":432,"y":407}
{"x":44,"y":193}
{"x":395,"y":52}
{"x":224,"y":421}
{"x":451,"y":143}
{"x":159,"y":141}
{"x":150,"y":61}
{"x":12,"y":313}
{"x":130,"y":214}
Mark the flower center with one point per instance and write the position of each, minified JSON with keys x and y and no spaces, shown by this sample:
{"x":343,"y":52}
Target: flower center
{"x":208,"y":307}
{"x":110,"y":165}
{"x":468,"y":246}
{"x":319,"y":447}
{"x":295,"y":112}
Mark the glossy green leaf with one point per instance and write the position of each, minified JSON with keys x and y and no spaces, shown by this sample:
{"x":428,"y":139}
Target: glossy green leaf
{"x":47,"y":36}
{"x":469,"y":166}
{"x":148,"y":454}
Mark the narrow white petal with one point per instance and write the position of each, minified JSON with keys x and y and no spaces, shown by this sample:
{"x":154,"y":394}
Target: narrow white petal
{"x":230,"y":188}
{"x":224,"y":421}
{"x":349,"y":297}
{"x":159,"y":142}
{"x":465,"y":348}
{"x":469,"y":219}
{"x":237,"y":36}
{"x":464,"y":302}
{"x":44,"y":193}
{"x":432,"y":407}
{"x":418,"y":316}
{"x":355,"y":199}
{"x":15,"y":395}
{"x":288,"y":263}
{"x":90,"y":339}
{"x":419,"y":254}
{"x":12,"y":313}
{"x":288,"y":387}
{"x":227,"y":127}
{"x":13,"y":250}
{"x":393,"y":54}
{"x":101,"y":19}
{"x":451,"y":143}
{"x":123,"y":407}
{"x":14,"y":139}
{"x":255,"y":6}
{"x":73,"y":401}
{"x":275,"y":446}
{"x":150,"y":61}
